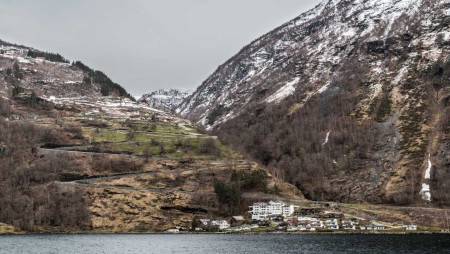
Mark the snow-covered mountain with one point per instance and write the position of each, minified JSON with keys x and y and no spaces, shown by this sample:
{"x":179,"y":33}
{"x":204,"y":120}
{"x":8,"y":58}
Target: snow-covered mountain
{"x":368,"y":76}
{"x":165,"y":99}
{"x":305,"y":53}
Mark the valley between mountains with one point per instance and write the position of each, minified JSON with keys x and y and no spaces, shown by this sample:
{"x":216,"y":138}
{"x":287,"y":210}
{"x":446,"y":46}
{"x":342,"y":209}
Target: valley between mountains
{"x":345,"y":107}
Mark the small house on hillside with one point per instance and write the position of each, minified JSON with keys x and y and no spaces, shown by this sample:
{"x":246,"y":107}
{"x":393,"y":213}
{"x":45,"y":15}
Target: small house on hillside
{"x":236,"y":221}
{"x":204,"y":224}
{"x":308,"y":211}
{"x":348,"y":224}
{"x":373,"y":227}
{"x":410,"y":227}
{"x":332,"y":215}
{"x":207,"y":224}
{"x":332,"y":224}
{"x":379,"y":227}
{"x":220,"y":224}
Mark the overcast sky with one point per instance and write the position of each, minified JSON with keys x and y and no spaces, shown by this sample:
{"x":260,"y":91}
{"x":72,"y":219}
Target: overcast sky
{"x":146,"y":44}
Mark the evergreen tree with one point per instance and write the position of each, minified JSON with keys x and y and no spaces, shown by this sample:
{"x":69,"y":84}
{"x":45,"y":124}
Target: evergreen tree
{"x":16,"y":71}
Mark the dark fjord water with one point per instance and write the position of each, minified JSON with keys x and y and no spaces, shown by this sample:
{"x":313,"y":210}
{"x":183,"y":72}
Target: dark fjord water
{"x":225,"y":244}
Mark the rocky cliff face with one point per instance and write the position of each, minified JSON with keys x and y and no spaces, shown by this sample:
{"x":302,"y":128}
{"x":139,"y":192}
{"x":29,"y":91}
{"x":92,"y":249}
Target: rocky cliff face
{"x":348,"y":101}
{"x":165,"y":99}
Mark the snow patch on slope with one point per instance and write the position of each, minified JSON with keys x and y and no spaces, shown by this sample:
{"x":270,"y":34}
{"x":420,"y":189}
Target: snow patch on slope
{"x":428,"y":170}
{"x":324,"y":88}
{"x":425,"y":192}
{"x":283,"y":92}
{"x":326,"y":138}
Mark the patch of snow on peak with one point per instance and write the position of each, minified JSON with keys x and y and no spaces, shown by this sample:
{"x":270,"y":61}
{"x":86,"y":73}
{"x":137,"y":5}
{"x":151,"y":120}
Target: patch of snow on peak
{"x":283,"y":92}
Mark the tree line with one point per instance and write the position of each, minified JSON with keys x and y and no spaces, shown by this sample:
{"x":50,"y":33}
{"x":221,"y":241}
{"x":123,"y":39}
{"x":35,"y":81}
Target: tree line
{"x":229,"y":193}
{"x":107,"y":86}
{"x":48,"y":56}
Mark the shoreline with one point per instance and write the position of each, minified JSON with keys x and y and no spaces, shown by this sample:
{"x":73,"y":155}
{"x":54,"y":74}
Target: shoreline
{"x":226,"y":233}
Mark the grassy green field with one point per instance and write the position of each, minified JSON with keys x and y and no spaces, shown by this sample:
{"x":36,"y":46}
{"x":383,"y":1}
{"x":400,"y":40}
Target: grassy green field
{"x":164,"y":139}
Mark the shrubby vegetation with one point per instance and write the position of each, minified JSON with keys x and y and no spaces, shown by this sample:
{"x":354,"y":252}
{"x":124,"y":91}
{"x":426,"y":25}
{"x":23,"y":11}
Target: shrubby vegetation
{"x":17,"y":90}
{"x":103,"y":164}
{"x":208,"y":147}
{"x":229,"y":194}
{"x":5,"y":108}
{"x":437,"y":77}
{"x":380,"y":108}
{"x":256,"y":180}
{"x":216,"y":113}
{"x":28,"y":200}
{"x":291,"y":144}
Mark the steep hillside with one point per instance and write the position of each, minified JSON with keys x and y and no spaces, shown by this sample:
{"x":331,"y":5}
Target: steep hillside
{"x":50,"y":75}
{"x":165,"y":99}
{"x":108,"y":164}
{"x":349,"y":101}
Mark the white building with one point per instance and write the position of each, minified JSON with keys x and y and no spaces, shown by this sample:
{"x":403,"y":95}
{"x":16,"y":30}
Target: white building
{"x":221,"y":224}
{"x":300,"y":228}
{"x":332,"y":224}
{"x":264,"y":211}
{"x":288,"y":210}
{"x":348,"y":224}
{"x":373,"y":227}
{"x":312,"y":222}
{"x":410,"y":227}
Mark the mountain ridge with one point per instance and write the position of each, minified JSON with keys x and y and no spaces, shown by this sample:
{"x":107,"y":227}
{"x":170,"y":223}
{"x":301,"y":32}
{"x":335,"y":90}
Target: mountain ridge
{"x":344,"y":66}
{"x":51,"y":75}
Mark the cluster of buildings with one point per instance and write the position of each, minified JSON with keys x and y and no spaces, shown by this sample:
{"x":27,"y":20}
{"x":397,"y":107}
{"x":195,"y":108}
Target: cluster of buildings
{"x":282,"y":216}
{"x":13,"y":51}
{"x":208,"y":224}
{"x":294,"y":218}
{"x":20,"y":54}
{"x":267,"y":211}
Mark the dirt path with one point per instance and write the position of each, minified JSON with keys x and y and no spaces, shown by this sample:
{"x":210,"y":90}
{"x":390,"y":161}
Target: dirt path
{"x":129,"y":188}
{"x":105,"y":186}
{"x":67,"y":150}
